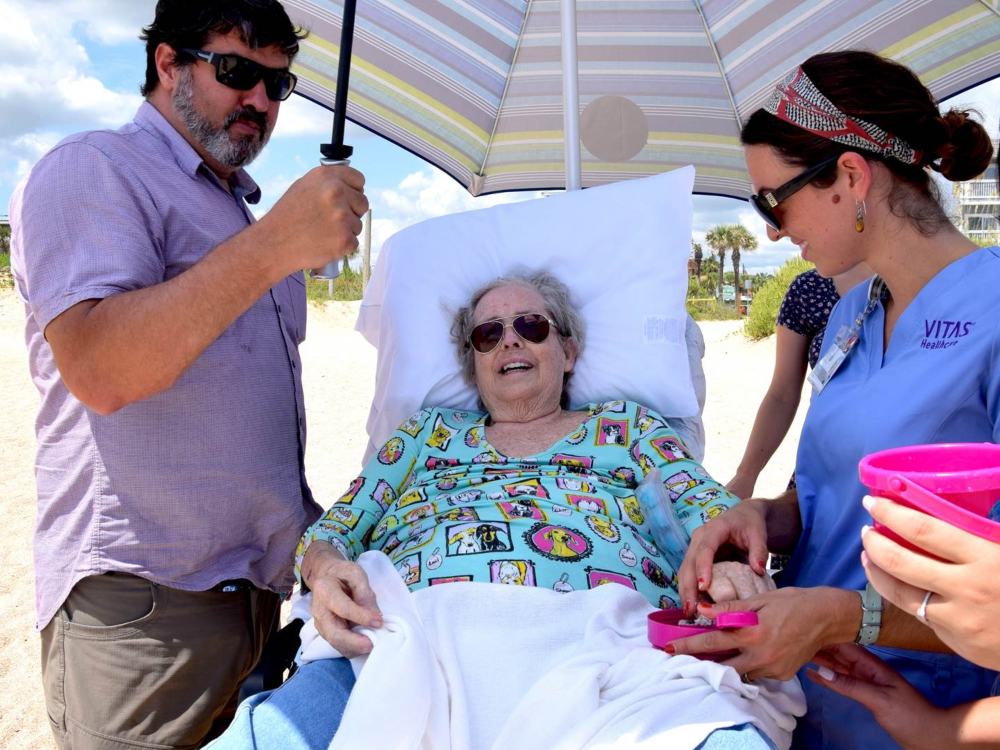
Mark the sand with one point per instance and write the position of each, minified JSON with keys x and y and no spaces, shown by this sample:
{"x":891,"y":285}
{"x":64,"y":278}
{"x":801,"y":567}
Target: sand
{"x":339,"y":371}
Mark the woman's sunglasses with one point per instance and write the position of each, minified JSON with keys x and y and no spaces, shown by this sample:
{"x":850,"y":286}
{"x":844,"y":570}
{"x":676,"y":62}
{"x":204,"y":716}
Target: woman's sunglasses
{"x":533,"y":327}
{"x":241,"y":74}
{"x":765,"y":202}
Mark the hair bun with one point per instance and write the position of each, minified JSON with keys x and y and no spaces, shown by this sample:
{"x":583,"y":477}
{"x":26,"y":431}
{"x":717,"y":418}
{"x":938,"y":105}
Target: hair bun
{"x":966,"y":150}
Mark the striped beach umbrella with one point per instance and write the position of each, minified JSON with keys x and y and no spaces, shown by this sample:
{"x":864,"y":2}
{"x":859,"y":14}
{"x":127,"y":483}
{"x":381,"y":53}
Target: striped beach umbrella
{"x":475,"y":86}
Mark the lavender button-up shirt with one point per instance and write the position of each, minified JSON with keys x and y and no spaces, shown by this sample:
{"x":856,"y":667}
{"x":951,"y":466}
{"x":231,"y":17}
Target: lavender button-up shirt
{"x":204,"y":481}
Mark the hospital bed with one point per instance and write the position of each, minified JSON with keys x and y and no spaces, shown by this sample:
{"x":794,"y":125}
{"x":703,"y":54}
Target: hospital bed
{"x":622,"y":249}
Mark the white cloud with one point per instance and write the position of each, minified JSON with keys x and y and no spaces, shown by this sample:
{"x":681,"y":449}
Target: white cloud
{"x":44,"y":66}
{"x":985,"y":99}
{"x":19,"y":155}
{"x":418,"y":196}
{"x":108,"y":21}
{"x":712,"y":211}
{"x":300,"y":116}
{"x":769,"y":255}
{"x":424,"y":195}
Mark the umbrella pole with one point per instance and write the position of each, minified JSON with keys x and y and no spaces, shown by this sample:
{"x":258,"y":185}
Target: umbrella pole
{"x":336,"y":152}
{"x":366,"y":257}
{"x":571,"y":96}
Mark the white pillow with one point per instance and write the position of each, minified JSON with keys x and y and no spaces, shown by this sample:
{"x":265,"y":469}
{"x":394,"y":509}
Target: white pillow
{"x":621,"y":249}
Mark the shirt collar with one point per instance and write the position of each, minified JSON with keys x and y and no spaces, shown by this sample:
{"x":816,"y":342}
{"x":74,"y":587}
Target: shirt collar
{"x":149,"y":118}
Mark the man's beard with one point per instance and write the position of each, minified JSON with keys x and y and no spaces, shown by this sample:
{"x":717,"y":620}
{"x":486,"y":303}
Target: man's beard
{"x":230,"y":152}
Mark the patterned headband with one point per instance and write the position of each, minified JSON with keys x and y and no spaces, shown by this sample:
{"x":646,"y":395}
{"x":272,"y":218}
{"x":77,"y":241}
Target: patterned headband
{"x":796,"y":100}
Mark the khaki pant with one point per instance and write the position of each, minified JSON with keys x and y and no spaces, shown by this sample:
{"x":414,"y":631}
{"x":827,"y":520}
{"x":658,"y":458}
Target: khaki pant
{"x":130,"y":664}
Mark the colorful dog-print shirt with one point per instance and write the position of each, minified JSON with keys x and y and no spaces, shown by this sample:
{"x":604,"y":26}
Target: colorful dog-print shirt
{"x":446,"y":506}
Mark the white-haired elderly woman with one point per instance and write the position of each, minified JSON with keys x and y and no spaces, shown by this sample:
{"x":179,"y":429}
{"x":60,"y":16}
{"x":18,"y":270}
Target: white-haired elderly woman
{"x":525,"y":491}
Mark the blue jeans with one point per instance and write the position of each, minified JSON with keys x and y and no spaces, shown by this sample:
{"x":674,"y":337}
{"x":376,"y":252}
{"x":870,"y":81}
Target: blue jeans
{"x":304,"y":713}
{"x":742,"y":737}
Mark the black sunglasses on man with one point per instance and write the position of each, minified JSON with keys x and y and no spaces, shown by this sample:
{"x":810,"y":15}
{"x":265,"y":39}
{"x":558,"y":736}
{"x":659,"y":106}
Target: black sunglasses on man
{"x":765,"y":202}
{"x":242,"y":74}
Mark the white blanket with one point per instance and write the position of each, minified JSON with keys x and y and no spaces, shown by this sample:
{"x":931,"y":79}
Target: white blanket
{"x":467,"y":666}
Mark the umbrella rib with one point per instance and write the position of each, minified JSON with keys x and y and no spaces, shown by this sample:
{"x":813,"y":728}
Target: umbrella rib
{"x":718,"y":62}
{"x":506,"y":86}
{"x":990,"y":7}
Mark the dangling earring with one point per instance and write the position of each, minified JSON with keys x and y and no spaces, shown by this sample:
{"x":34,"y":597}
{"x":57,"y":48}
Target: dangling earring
{"x":859,"y":217}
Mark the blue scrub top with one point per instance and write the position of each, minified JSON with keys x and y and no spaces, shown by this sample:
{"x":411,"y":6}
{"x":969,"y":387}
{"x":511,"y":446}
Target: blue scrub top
{"x":938,"y":382}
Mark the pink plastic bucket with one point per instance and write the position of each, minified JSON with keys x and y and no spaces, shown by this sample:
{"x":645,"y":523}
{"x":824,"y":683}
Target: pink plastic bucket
{"x":956,"y":482}
{"x":664,"y":626}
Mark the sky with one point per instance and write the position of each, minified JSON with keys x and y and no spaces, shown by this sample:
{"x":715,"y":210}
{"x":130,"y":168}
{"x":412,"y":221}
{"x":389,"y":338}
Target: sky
{"x":72,"y":65}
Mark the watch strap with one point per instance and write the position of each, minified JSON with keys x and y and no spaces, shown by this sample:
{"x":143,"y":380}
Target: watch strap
{"x":871,"y":616}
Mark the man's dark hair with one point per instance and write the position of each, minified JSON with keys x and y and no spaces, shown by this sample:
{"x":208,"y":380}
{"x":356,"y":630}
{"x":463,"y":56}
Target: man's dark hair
{"x":189,"y":23}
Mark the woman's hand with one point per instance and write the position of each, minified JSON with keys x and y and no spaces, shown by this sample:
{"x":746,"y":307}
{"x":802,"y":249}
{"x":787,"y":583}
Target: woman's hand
{"x":793,"y":625}
{"x":743,"y":526}
{"x":964,"y":607}
{"x":342,"y":598}
{"x":902,"y":711}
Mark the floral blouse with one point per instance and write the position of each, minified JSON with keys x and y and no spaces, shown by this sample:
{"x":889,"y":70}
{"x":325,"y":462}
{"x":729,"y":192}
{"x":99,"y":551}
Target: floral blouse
{"x":806,"y":308}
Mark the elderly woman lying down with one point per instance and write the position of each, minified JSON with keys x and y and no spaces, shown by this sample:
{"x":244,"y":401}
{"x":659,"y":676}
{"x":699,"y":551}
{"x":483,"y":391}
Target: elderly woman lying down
{"x":541,"y":500}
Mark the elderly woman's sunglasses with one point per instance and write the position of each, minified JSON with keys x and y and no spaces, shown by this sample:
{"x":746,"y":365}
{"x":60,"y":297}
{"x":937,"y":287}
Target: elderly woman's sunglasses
{"x":533,"y":327}
{"x":241,"y":74}
{"x":765,"y":202}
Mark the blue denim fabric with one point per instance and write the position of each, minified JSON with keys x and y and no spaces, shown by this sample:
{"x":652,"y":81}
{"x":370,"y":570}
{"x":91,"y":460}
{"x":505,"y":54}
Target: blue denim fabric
{"x":742,"y":737}
{"x":302,"y":714}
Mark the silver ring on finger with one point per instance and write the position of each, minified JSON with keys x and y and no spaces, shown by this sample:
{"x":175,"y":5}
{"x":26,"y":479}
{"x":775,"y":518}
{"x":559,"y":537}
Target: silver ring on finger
{"x":922,"y":609}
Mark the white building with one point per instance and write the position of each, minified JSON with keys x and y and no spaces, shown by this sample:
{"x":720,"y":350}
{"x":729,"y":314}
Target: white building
{"x":977,"y":206}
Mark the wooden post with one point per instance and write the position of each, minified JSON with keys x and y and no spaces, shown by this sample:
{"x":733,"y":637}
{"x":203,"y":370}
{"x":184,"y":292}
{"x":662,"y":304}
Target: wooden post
{"x":366,"y":255}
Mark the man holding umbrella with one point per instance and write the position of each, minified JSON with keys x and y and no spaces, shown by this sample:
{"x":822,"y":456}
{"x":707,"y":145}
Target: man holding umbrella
{"x":163,"y":326}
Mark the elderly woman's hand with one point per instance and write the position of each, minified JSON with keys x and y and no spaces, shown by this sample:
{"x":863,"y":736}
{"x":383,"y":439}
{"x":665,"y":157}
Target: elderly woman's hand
{"x":744,"y":526}
{"x":342,"y":598}
{"x":964,"y":606}
{"x":793,"y":624}
{"x":735,"y":580}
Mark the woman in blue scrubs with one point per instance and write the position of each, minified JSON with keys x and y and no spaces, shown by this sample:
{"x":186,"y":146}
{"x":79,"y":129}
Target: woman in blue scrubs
{"x":840,"y":157}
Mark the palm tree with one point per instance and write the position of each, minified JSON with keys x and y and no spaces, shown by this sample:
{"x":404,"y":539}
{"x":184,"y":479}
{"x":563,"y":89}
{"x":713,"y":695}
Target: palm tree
{"x":696,"y":247}
{"x":718,"y":240}
{"x":739,"y":239}
{"x":735,"y":238}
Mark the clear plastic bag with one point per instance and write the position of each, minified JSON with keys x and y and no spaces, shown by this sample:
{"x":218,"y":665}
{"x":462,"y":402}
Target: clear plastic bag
{"x":661,"y":521}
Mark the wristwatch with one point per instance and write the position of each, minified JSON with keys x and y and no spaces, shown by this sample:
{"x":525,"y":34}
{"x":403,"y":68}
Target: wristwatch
{"x":871,"y":616}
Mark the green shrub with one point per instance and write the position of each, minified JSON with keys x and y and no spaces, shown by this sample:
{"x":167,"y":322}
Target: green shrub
{"x":346,"y":287}
{"x":6,"y":280}
{"x":767,"y":299}
{"x":711,"y":309}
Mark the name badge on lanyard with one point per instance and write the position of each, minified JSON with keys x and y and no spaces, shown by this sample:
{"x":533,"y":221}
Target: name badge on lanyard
{"x":844,"y":342}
